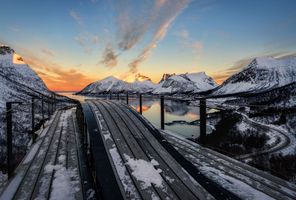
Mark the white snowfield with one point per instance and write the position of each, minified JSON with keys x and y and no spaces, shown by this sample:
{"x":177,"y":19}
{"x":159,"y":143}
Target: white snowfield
{"x":50,"y":169}
{"x":241,"y":179}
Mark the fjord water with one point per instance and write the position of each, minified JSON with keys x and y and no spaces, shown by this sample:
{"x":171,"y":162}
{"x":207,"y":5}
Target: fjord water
{"x":175,"y":110}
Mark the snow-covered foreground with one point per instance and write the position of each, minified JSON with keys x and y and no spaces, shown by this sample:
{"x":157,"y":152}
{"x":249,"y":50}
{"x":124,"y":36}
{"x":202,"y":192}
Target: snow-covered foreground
{"x":50,"y":169}
{"x":144,"y":169}
{"x":239,"y":178}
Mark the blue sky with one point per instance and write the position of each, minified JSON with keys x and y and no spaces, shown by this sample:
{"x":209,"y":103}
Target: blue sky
{"x":87,"y":40}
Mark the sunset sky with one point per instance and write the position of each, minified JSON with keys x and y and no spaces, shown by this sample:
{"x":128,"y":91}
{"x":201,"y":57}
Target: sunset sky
{"x":72,"y":43}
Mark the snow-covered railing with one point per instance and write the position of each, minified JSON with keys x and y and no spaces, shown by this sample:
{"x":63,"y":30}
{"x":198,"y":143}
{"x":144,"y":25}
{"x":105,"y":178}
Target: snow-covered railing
{"x":25,"y":116}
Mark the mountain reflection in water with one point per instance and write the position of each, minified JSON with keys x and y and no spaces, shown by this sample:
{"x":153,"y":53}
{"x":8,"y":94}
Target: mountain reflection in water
{"x":175,"y":110}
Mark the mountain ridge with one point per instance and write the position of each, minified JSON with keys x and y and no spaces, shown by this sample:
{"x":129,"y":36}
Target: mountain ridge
{"x":259,"y":75}
{"x":170,"y":83}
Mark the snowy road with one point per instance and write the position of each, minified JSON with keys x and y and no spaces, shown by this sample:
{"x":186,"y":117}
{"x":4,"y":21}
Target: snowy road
{"x":284,"y":139}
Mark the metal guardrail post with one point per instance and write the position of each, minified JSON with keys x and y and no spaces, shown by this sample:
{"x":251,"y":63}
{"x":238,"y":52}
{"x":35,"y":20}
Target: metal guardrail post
{"x":52,"y":104}
{"x":127,"y":98}
{"x":33,"y":119}
{"x":85,"y":134}
{"x":48,"y":108}
{"x":9,"y":137}
{"x":203,"y":120}
{"x":55,"y":102}
{"x":140,"y":99}
{"x":42,"y":110}
{"x":162,"y":112}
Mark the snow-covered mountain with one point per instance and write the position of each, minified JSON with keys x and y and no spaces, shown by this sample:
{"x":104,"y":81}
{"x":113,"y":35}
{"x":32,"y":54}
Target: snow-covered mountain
{"x":18,"y":82}
{"x":185,"y":83}
{"x":114,"y":85}
{"x":17,"y":78}
{"x":108,"y":84}
{"x":169,"y":84}
{"x":260,"y":75}
{"x":282,"y":98}
{"x":165,"y":77}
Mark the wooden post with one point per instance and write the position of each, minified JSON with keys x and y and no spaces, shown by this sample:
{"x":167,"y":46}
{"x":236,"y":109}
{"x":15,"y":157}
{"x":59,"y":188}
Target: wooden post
{"x":110,"y":96}
{"x":203,"y":120}
{"x":118,"y":96}
{"x":127,"y":98}
{"x":33,"y":119}
{"x":162,"y":112}
{"x":42,"y":110}
{"x":140,"y":99}
{"x":9,"y":137}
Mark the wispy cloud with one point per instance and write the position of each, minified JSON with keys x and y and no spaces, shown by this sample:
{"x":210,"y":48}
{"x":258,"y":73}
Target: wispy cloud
{"x":95,"y":39}
{"x":196,"y":46}
{"x":76,"y":17}
{"x":149,"y":18}
{"x":109,"y":57}
{"x":81,"y":40}
{"x":47,"y":52}
{"x":87,"y":40}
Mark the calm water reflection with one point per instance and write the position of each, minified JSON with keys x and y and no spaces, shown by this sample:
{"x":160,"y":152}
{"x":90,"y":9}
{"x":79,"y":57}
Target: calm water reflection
{"x":174,"y":111}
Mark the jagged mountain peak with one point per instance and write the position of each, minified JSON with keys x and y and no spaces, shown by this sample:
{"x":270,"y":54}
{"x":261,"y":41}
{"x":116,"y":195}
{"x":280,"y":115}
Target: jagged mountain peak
{"x":166,"y":76}
{"x":141,"y":77}
{"x":185,"y":83}
{"x":6,"y":50}
{"x":272,"y":63}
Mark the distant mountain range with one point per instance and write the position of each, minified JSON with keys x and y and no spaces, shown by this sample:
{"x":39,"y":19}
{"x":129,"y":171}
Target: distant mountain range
{"x":262,"y":74}
{"x":169,"y":84}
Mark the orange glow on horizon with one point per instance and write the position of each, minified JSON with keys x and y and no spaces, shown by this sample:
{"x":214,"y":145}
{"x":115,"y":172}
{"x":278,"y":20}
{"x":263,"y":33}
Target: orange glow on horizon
{"x":17,"y":59}
{"x":71,"y":85}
